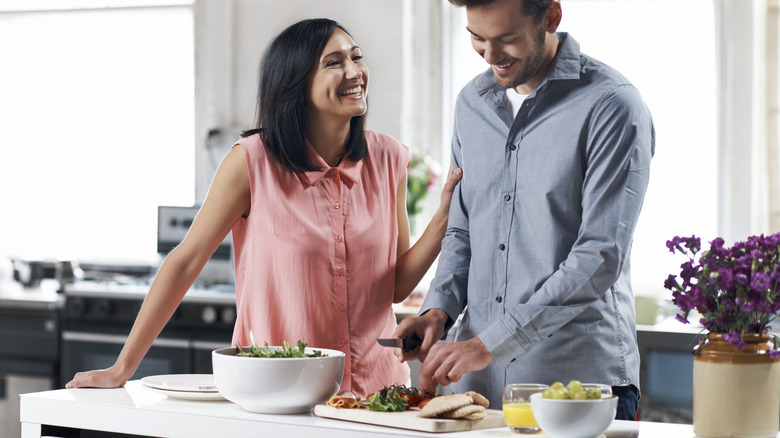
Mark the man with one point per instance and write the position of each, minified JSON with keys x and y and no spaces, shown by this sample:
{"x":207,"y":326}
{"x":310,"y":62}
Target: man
{"x":555,"y":149}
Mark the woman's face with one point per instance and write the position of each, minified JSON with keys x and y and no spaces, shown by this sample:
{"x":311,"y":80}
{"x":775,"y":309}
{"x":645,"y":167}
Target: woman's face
{"x":339,"y":83}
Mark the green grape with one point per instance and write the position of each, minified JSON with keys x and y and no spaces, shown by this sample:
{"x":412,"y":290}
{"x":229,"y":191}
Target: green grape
{"x":548,"y":393}
{"x":595,"y":393}
{"x":557,"y":385}
{"x":575,"y":386}
{"x":561,"y":394}
{"x":579,"y":395}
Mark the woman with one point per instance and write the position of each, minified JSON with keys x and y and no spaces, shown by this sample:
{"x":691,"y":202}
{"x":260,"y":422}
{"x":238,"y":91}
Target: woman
{"x":317,"y":209}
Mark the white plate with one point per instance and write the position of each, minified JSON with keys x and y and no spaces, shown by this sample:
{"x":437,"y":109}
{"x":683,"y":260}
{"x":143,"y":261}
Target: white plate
{"x":188,"y":395}
{"x":200,"y":383}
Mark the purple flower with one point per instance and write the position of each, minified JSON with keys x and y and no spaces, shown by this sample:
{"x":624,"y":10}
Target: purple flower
{"x":761,"y":282}
{"x":687,"y":271}
{"x":716,"y":246}
{"x":670,"y":282}
{"x":725,"y":278}
{"x":735,"y":289}
{"x":774,"y":354}
{"x":735,"y":338}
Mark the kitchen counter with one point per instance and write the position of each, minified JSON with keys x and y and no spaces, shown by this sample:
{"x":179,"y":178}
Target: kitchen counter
{"x":43,"y":297}
{"x":137,"y":410}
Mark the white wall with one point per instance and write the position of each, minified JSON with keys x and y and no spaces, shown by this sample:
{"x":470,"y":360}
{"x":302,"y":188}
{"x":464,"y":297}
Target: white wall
{"x":232,"y":35}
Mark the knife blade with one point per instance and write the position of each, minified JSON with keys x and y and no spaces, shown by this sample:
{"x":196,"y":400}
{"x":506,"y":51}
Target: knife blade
{"x":406,"y":344}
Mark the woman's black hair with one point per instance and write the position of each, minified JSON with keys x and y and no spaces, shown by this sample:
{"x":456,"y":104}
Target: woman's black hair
{"x":281,"y":96}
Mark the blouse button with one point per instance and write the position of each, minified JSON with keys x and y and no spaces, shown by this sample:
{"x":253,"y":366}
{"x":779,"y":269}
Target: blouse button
{"x":501,"y":247}
{"x":499,"y":299}
{"x":507,"y":197}
{"x":339,"y":239}
{"x":513,"y":147}
{"x":337,"y":206}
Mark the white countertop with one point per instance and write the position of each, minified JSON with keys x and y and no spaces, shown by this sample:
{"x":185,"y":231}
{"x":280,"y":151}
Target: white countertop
{"x":104,"y":289}
{"x":135,"y":409}
{"x":43,"y":297}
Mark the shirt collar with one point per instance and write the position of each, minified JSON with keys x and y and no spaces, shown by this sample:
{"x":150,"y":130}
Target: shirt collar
{"x":566,"y":65}
{"x":348,"y":170}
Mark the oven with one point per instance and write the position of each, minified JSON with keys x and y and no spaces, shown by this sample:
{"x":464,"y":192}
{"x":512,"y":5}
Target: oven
{"x":97,"y":318}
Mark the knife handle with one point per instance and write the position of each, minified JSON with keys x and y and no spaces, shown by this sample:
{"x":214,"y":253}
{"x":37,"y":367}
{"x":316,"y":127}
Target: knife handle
{"x":410,"y":343}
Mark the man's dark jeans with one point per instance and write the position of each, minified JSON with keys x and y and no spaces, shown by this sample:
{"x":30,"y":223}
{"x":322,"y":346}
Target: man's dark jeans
{"x":628,"y":402}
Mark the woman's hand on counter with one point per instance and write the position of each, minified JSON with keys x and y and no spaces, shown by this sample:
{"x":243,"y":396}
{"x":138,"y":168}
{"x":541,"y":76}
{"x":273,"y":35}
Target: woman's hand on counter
{"x":108,"y":378}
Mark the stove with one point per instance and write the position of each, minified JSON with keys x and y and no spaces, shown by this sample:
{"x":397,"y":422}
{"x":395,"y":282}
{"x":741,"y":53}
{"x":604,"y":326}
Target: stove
{"x":101,"y":306}
{"x":98,"y":315}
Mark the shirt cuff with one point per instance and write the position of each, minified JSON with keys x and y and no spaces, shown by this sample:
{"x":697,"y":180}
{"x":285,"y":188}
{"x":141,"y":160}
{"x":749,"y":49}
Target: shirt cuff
{"x":435,"y":300}
{"x":507,"y":344}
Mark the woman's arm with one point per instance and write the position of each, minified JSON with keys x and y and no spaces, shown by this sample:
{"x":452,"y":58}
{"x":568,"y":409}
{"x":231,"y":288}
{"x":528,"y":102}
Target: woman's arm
{"x":227,"y":201}
{"x":414,"y":262}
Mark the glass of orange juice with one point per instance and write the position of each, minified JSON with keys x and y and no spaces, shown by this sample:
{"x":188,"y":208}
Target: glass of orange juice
{"x":517,"y":407}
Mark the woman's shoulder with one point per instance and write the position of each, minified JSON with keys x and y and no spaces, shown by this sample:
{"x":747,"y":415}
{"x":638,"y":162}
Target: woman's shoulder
{"x":252,"y":138}
{"x":252,"y":144}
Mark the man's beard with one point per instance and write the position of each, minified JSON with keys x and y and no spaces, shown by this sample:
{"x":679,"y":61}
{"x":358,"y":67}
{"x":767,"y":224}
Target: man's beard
{"x":531,"y":64}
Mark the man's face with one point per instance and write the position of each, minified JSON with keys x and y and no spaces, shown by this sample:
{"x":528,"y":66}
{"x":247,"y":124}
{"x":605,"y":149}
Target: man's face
{"x":511,"y":42}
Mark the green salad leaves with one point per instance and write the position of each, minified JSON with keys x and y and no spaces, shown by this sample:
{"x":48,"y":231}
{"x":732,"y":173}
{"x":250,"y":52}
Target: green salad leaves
{"x":287,"y":351}
{"x":387,"y":400}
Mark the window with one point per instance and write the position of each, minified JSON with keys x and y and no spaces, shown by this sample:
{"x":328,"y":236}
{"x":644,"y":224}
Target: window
{"x":97,"y":109}
{"x":676,"y":75}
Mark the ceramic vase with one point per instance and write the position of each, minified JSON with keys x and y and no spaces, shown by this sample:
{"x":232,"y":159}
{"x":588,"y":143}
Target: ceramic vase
{"x":736,"y":393}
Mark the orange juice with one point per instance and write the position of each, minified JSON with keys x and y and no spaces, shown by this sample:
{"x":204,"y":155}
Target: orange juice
{"x":520,"y":418}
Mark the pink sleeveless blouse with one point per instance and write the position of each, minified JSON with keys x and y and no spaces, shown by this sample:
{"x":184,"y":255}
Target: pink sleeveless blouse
{"x":315,"y":259}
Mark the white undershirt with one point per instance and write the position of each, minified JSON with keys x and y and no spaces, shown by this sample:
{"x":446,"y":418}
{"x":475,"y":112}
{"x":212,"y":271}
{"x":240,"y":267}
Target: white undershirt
{"x":513,"y":100}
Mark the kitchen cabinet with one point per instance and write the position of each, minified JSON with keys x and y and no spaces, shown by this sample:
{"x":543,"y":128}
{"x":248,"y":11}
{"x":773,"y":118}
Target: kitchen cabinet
{"x":29,"y":347}
{"x":137,"y":410}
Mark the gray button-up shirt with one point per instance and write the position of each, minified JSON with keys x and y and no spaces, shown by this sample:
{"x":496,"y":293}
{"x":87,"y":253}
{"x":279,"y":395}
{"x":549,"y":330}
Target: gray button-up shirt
{"x":540,"y":228}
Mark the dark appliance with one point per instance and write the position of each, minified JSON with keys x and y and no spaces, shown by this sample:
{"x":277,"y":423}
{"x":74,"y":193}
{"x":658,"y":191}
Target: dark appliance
{"x":29,"y":355}
{"x":97,"y":318}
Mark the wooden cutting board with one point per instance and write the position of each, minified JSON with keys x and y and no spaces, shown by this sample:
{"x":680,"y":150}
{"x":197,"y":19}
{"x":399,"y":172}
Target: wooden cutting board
{"x":410,"y":420}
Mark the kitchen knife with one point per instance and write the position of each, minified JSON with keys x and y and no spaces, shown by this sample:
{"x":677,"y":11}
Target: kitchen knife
{"x":406,"y":344}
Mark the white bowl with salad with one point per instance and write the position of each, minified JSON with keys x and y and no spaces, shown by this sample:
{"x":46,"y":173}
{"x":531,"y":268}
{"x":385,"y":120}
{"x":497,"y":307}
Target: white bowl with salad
{"x":286,"y":379}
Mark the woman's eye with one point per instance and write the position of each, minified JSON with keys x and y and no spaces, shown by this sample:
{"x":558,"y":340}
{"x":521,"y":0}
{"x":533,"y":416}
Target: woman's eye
{"x":357,"y":57}
{"x":332,"y":63}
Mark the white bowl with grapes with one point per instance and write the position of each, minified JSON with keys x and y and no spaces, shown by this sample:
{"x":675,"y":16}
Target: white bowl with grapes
{"x":577,"y":410}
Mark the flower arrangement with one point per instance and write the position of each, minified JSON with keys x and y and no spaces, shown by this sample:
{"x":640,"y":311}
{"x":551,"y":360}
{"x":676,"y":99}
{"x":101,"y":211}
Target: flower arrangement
{"x":736,"y":290}
{"x":421,"y":175}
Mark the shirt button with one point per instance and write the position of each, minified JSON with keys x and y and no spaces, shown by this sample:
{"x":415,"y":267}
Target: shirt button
{"x":341,"y":307}
{"x":331,"y":172}
{"x":343,"y":340}
{"x":507,"y":197}
{"x":340,"y":272}
{"x":339,"y":239}
{"x":512,"y":147}
{"x":501,"y":247}
{"x":337,"y":206}
{"x":499,"y":299}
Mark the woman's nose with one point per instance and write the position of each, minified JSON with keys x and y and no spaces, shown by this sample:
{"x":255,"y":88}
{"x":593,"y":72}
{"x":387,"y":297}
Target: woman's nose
{"x":353,"y":70}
